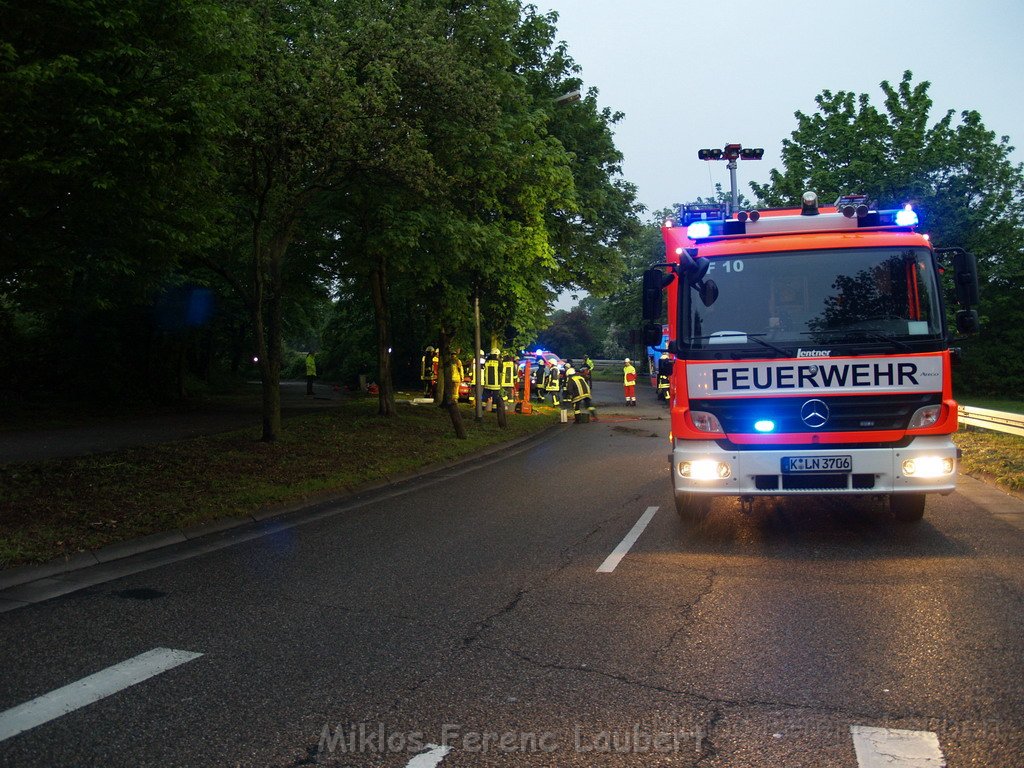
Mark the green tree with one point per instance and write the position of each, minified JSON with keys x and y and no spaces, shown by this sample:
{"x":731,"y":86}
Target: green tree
{"x":502,"y":208}
{"x":112,"y":113}
{"x":955,"y":171}
{"x":302,"y":109}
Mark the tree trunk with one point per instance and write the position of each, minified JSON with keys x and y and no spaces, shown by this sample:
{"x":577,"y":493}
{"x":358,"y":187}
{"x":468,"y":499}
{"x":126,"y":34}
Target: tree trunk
{"x":379,"y":291}
{"x":271,"y":395}
{"x":272,"y":370}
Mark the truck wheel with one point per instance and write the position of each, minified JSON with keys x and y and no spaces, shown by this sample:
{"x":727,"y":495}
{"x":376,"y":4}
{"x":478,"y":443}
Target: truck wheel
{"x":693,"y":507}
{"x":907,"y":507}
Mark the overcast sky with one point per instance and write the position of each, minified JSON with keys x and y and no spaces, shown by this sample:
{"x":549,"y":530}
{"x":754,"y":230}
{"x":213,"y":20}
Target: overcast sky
{"x":689,"y":75}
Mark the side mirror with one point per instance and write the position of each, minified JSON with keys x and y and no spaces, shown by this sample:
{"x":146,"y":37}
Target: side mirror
{"x":708,"y":293}
{"x":967,"y":321}
{"x":655,"y":281}
{"x":652,"y":335}
{"x":965,"y":274}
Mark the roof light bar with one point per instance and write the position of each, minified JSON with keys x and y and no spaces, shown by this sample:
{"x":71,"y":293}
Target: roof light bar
{"x":906,"y":217}
{"x":902,"y":218}
{"x":699,"y":230}
{"x":691,"y":213}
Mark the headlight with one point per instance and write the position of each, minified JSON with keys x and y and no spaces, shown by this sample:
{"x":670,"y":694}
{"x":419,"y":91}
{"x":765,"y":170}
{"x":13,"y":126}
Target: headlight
{"x":928,"y":466}
{"x":705,"y":469}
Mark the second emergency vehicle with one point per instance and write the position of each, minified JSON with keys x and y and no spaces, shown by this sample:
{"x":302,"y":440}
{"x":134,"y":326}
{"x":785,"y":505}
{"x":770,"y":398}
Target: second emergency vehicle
{"x":812,"y":354}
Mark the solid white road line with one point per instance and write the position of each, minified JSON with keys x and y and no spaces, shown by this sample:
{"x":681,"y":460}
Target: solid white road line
{"x":431,"y":758}
{"x":620,"y":551}
{"x":90,"y":689}
{"x":893,"y":748}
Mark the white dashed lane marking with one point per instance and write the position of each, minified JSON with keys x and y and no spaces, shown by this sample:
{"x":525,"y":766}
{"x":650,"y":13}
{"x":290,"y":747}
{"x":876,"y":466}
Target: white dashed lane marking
{"x":90,"y":689}
{"x":620,"y":551}
{"x":893,"y":748}
{"x":431,"y":758}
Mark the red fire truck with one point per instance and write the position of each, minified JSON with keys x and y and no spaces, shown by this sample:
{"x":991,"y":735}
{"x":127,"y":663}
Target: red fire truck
{"x":811,"y":353}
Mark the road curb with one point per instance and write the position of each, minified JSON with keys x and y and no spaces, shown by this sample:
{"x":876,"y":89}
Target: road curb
{"x":293,"y":513}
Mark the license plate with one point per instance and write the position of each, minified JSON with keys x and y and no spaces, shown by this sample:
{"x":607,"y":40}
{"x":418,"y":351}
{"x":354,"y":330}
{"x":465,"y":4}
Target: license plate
{"x":797,"y":464}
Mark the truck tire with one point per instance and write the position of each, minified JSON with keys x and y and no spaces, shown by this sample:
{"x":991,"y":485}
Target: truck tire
{"x":693,"y":507}
{"x":907,"y":507}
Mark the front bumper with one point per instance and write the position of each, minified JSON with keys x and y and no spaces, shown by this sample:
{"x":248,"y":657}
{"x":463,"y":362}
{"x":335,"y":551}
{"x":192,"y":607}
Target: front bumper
{"x":759,"y":472}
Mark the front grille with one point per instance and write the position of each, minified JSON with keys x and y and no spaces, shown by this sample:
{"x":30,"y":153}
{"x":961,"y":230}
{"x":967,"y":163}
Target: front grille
{"x":850,"y":413}
{"x":816,"y":482}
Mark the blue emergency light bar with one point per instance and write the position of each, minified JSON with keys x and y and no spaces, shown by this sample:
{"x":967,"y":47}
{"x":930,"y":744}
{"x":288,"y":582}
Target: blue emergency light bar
{"x":688,"y":214}
{"x":906,"y":217}
{"x":704,"y":229}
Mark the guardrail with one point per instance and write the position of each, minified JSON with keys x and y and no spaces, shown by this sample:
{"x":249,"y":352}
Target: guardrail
{"x":1000,"y":421}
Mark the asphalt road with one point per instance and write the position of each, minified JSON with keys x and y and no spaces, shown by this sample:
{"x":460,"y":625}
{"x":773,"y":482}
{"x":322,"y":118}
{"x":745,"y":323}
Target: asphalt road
{"x":464,"y":620}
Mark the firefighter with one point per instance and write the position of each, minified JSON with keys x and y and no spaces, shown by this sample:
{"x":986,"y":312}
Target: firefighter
{"x":492,"y":380}
{"x":663,"y":377}
{"x":629,"y":382}
{"x":553,"y":382}
{"x":457,"y":376}
{"x":577,"y":390}
{"x":538,"y":373}
{"x":588,"y":368}
{"x":310,"y":372}
{"x":434,"y":373}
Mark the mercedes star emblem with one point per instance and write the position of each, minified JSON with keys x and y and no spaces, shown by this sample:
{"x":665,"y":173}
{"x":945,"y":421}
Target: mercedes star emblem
{"x":814,"y":413}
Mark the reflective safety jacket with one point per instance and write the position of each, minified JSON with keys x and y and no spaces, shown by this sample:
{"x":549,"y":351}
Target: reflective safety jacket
{"x":628,"y":375}
{"x":508,"y":373}
{"x":492,"y":379}
{"x":310,"y":365}
{"x":457,"y":374}
{"x":577,"y":388}
{"x":552,"y":380}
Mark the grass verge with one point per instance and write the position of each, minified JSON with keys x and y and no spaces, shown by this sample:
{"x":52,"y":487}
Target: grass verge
{"x":56,"y":508}
{"x":994,"y":456}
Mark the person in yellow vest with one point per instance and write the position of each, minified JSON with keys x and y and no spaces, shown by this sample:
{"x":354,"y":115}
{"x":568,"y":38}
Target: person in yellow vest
{"x":492,"y":381}
{"x":457,"y":376}
{"x":629,"y":382}
{"x":310,"y":372}
{"x":577,"y":391}
{"x":539,"y":372}
{"x":553,"y":382}
{"x":434,"y":374}
{"x":587,"y":369}
{"x":508,"y":378}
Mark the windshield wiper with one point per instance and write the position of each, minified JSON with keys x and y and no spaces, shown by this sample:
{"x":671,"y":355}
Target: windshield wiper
{"x":754,"y":337}
{"x":870,"y":333}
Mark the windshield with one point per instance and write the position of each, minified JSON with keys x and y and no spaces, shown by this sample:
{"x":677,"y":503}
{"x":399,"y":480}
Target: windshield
{"x":779,"y":301}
